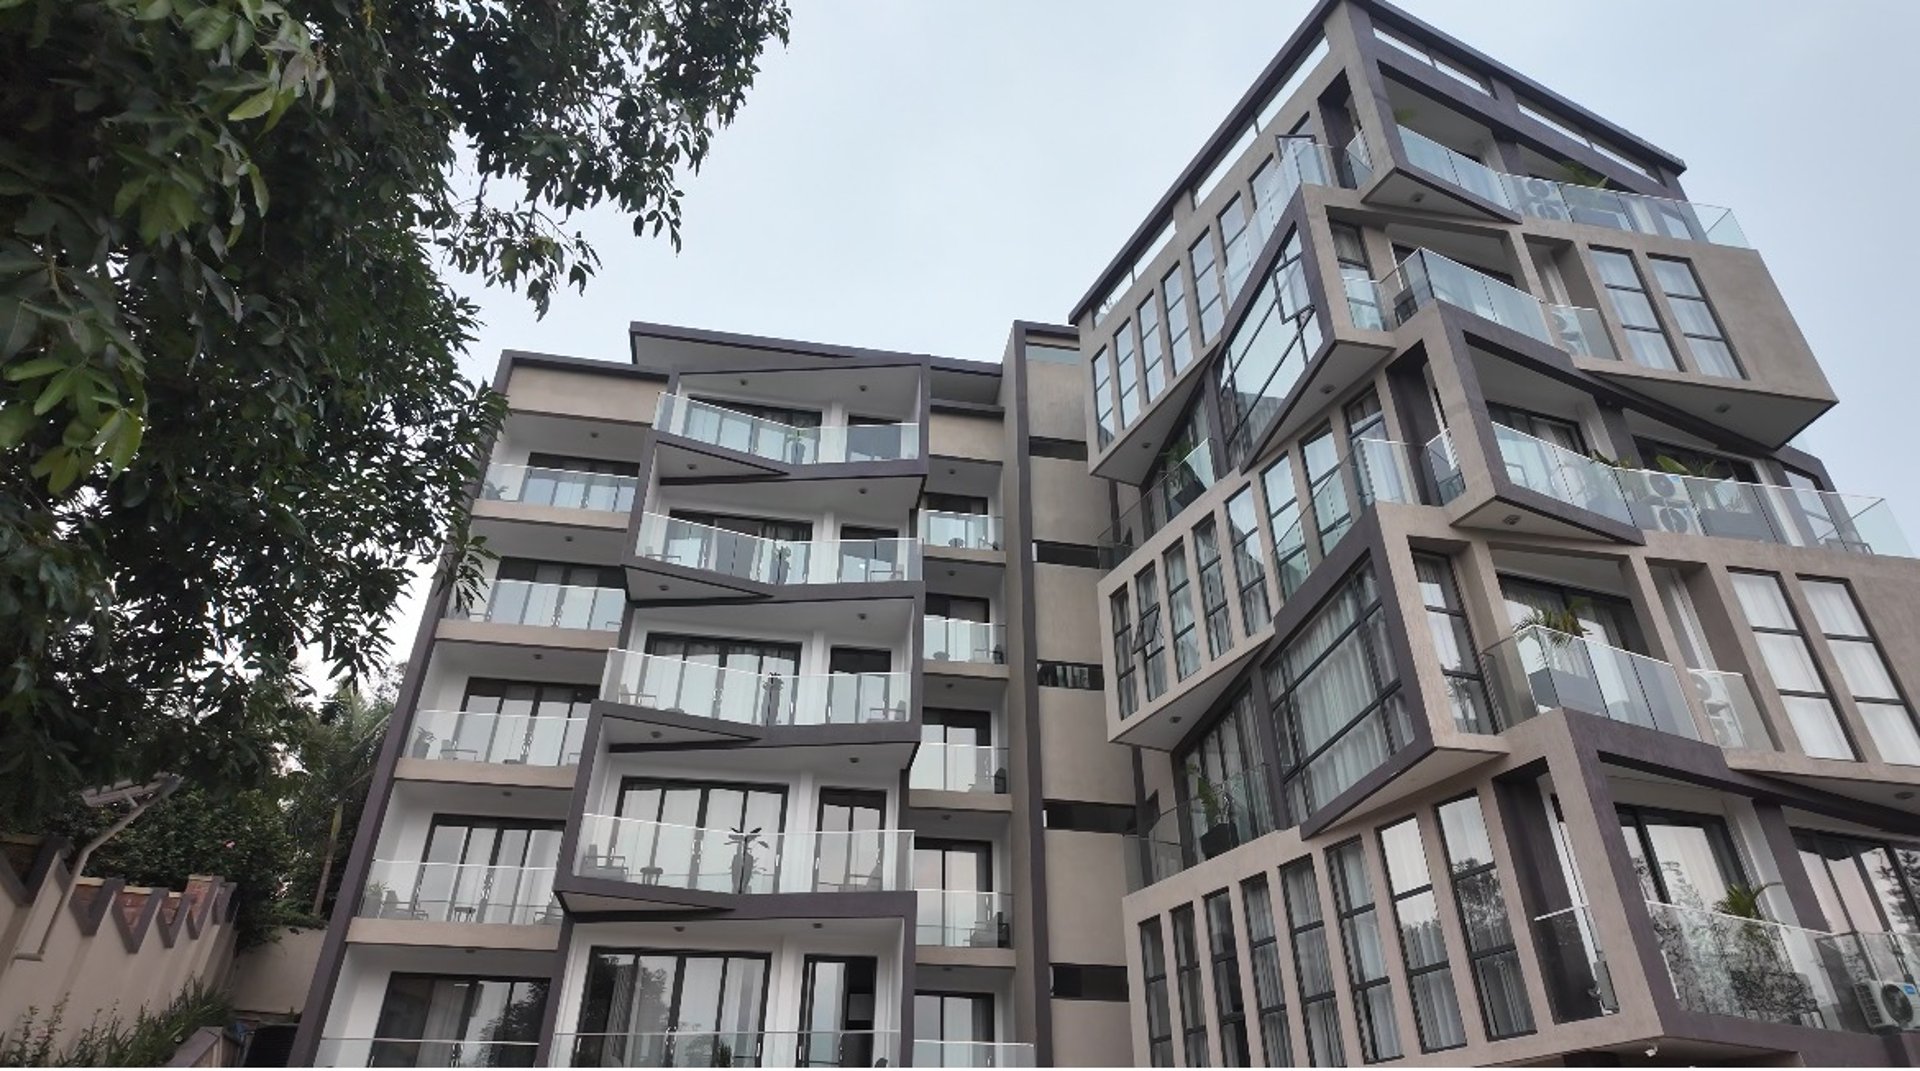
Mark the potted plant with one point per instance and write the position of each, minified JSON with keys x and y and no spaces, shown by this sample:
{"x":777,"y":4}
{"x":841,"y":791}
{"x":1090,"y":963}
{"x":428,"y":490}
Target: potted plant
{"x":744,"y":862}
{"x":1759,"y":971}
{"x":1216,"y":811}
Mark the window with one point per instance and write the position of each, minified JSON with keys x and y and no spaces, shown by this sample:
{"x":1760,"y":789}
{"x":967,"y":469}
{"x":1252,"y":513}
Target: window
{"x":1080,"y":817}
{"x":1249,"y":564}
{"x":1213,"y":588}
{"x":1152,"y":353}
{"x":1193,"y":1009}
{"x":1223,"y":765}
{"x":1290,"y":563}
{"x":1646,"y":342}
{"x":1337,"y":705}
{"x":458,"y":1019}
{"x":1076,"y":555}
{"x":1453,"y":641}
{"x":1127,"y":371}
{"x":1228,"y":1000}
{"x":1363,"y":301}
{"x":948,"y":1026}
{"x":1206,"y":287}
{"x":1103,"y":422}
{"x":1080,"y":676}
{"x":1152,"y":638}
{"x":1173,"y":290}
{"x":1366,"y":959}
{"x":554,"y":595}
{"x":1784,"y":651}
{"x":664,"y":1008}
{"x":1312,"y":965}
{"x":1065,"y":449}
{"x":675,"y":832}
{"x":1541,"y":116}
{"x":1153,"y":977}
{"x":1434,"y":60}
{"x":1423,"y":945}
{"x":576,"y":482}
{"x":1379,"y":471}
{"x":1332,"y":511}
{"x":489,"y":870}
{"x":1186,"y":645}
{"x":1238,"y":242}
{"x":1686,"y":860}
{"x":1491,"y":956}
{"x":1705,"y":341}
{"x":1121,"y":611}
{"x":1269,"y":995}
{"x":702,"y":675}
{"x":527,"y":722}
{"x":1268,"y":353}
{"x":1087,"y":981}
{"x":1863,"y":668}
{"x":1863,"y":886}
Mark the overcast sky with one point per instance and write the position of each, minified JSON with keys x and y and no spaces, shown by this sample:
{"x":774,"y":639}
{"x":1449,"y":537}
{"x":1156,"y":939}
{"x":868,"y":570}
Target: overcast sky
{"x":916,"y":175}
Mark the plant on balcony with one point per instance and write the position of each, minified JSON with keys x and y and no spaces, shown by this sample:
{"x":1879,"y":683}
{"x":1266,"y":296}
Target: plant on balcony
{"x":1578,"y":175}
{"x":1563,"y":623}
{"x":1562,"y":676}
{"x":745,"y":864}
{"x":1216,"y":811}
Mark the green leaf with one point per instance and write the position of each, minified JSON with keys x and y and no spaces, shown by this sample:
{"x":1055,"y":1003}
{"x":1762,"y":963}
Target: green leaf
{"x":255,"y":106}
{"x":154,"y":10}
{"x":18,"y":325}
{"x":15,"y":422}
{"x":34,"y":369}
{"x":57,"y":388}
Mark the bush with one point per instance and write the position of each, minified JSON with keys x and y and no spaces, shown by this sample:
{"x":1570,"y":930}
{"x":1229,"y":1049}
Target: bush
{"x":150,"y":1042}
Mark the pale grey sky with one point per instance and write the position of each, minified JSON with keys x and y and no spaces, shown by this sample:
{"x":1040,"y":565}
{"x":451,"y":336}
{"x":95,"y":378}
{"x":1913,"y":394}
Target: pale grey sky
{"x":915,"y":175}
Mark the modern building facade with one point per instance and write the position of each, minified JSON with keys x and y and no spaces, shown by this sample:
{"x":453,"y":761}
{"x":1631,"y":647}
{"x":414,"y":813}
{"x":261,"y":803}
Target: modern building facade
{"x":1389,"y":622}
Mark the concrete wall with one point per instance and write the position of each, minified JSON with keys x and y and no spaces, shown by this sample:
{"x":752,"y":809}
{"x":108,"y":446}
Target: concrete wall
{"x":584,"y":394}
{"x":271,"y":981}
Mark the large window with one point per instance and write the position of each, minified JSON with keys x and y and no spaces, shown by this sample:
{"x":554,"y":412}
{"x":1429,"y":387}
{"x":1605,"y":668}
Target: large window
{"x":1366,"y":958}
{"x":1363,"y":301}
{"x":1269,"y":993}
{"x":1225,"y":785}
{"x":1126,"y":367}
{"x":1206,"y":287}
{"x":1863,"y":668}
{"x":683,"y":833}
{"x":1646,"y":342}
{"x":1491,"y":955}
{"x":1173,"y":289}
{"x":1213,"y":587}
{"x":654,"y":1008}
{"x":1249,"y":561}
{"x":1186,"y":645}
{"x":1706,"y":343}
{"x":1312,"y":965}
{"x":1153,"y":973}
{"x":1453,"y":640}
{"x":1238,"y":241}
{"x":1152,"y":638}
{"x":1789,"y":662}
{"x":1283,"y":519}
{"x":1338,"y":710}
{"x":1267,"y":353}
{"x":1103,"y":422}
{"x":1423,"y":944}
{"x":1332,"y":509}
{"x":1119,"y":608}
{"x":1228,"y":1000}
{"x":1193,"y":1008}
{"x":1152,"y":352}
{"x":1863,"y":886}
{"x":1686,"y":860}
{"x":525,"y":722}
{"x":438,"y":1020}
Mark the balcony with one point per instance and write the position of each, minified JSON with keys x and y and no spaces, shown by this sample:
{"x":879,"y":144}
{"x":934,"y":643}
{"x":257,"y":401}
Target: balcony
{"x":1219,"y":816}
{"x":974,"y":768}
{"x":541,"y":605}
{"x":977,"y":643}
{"x":1425,"y":277}
{"x":679,"y":550}
{"x":750,"y":443}
{"x":473,"y":893}
{"x":740,"y":1048}
{"x":959,"y":531}
{"x":415,"y":1052}
{"x":1538,"y":669}
{"x":691,"y":693}
{"x":509,"y":739}
{"x":962,"y":919}
{"x":638,"y":851}
{"x":1187,"y":478}
{"x":559,"y":488}
{"x":1573,"y":966}
{"x":1462,"y":171}
{"x":1755,"y":969}
{"x":932,"y":1052}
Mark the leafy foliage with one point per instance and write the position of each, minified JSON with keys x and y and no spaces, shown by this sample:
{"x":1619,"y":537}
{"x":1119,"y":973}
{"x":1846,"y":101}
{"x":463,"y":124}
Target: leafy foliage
{"x":150,"y":1041}
{"x":337,"y":752}
{"x":232,"y":423}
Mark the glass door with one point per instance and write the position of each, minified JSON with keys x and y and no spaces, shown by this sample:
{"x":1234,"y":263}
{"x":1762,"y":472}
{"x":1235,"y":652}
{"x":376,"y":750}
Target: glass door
{"x":956,"y":903}
{"x":458,"y":1021}
{"x":953,"y":1030}
{"x":483,"y":870}
{"x":648,"y":1008}
{"x":837,"y":1004}
{"x":715,"y":837}
{"x":853,"y":853}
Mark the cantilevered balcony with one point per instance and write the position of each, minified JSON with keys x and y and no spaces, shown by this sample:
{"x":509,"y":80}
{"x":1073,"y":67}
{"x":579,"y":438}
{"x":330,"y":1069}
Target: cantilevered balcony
{"x":418,"y":1052}
{"x":951,"y":640}
{"x":949,"y":767}
{"x":699,"y":701}
{"x":509,"y":739}
{"x":1187,"y":478}
{"x":1539,"y":669}
{"x":692,"y":560}
{"x":1752,"y":968}
{"x":544,"y":605}
{"x":659,"y":860}
{"x":733,"y":1048}
{"x":564,"y":489}
{"x":479,"y":894}
{"x":959,"y":531}
{"x":732,"y":442}
{"x":955,"y":918}
{"x":1217,"y":816}
{"x":1425,"y":277}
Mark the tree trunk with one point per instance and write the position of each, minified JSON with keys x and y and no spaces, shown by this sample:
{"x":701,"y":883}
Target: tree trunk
{"x":326,"y":861}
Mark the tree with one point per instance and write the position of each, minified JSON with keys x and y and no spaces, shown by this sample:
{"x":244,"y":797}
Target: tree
{"x":336,"y":753}
{"x":232,"y":424}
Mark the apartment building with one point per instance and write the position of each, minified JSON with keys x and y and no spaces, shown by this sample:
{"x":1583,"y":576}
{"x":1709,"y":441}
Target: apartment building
{"x":1387,"y":621}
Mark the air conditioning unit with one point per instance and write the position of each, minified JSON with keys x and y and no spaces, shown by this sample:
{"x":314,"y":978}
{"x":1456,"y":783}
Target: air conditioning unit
{"x":1888,"y":1004}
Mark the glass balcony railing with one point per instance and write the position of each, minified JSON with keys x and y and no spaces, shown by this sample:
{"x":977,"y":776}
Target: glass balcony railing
{"x":1732,"y":715}
{"x":560,"y":488}
{"x":743,"y":861}
{"x":941,"y":767}
{"x":1562,"y":474}
{"x":1581,"y":331}
{"x":1457,"y":168}
{"x":931,"y":1052}
{"x":776,"y":561}
{"x":744,"y":433}
{"x":956,"y":919}
{"x":1189,"y":472}
{"x":415,"y":1052}
{"x":962,"y":531}
{"x":512,"y":739}
{"x":526,"y":602}
{"x":1572,"y":203}
{"x":1538,"y":669}
{"x":1573,"y":966}
{"x":1790,"y":516}
{"x":460,"y":892}
{"x":746,"y":697}
{"x":1754,"y":969}
{"x":950,"y":639}
{"x":1425,"y":277}
{"x":737,"y":1048}
{"x":1444,"y":466}
{"x":1218,"y":815}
